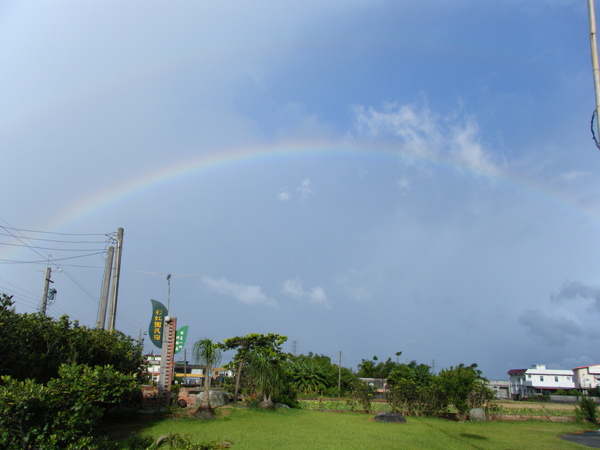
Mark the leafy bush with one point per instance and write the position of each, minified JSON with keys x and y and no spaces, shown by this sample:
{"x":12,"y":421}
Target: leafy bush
{"x":137,"y":442}
{"x":35,"y":346}
{"x":408,"y":398}
{"x":363,"y":393}
{"x":61,"y":413}
{"x":587,"y":410}
{"x":539,"y":398}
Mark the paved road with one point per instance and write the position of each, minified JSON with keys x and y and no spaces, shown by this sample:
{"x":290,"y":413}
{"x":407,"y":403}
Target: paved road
{"x":589,"y":438}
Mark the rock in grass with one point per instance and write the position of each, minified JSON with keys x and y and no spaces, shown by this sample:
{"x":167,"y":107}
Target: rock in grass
{"x":477,"y":415}
{"x":217,"y":398}
{"x":205,"y":412}
{"x":390,"y":417}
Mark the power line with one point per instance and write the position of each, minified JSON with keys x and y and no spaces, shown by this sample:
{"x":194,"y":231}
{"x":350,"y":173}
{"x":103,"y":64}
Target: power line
{"x":52,"y":232}
{"x":31,"y":238}
{"x":52,"y":249}
{"x":47,"y":260}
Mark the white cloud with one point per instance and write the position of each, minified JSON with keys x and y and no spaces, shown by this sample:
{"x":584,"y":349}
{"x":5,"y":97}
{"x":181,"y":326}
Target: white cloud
{"x":404,"y":185}
{"x":284,"y":195}
{"x":249,"y":294}
{"x":426,"y":135}
{"x":573,"y":175}
{"x":294,"y":289}
{"x":305,"y":189}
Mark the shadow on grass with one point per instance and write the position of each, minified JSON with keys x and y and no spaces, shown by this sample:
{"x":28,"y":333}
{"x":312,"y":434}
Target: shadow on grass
{"x":463,"y":438}
{"x":121,"y":425}
{"x":473,"y":436}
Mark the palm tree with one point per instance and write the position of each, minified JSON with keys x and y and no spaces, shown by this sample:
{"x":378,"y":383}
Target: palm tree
{"x":265,"y":374}
{"x":207,"y":354}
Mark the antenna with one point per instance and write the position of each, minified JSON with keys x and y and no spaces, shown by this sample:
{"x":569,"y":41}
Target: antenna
{"x":168,"y":277}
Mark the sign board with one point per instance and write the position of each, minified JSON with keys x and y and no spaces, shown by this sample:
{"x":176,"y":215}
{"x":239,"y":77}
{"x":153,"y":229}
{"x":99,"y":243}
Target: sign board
{"x":155,"y":329}
{"x":180,"y":337}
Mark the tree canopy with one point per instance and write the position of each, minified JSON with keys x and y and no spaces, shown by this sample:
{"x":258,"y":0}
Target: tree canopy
{"x":34,"y":346}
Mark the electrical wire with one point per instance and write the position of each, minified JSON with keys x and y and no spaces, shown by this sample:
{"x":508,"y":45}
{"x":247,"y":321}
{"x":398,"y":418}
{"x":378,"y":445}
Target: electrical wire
{"x":31,"y":238}
{"x":53,"y":232}
{"x":52,"y":249}
{"x":49,"y":260}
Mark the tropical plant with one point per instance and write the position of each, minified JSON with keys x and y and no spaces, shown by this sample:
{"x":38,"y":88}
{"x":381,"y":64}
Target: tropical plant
{"x":208,"y":354}
{"x":373,"y":369}
{"x":266,"y":375}
{"x":269,"y":344}
{"x":308,"y":376}
{"x":315,"y":374}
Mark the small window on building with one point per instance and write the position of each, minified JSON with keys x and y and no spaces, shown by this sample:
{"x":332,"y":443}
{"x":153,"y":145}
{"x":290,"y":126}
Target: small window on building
{"x":541,"y":377}
{"x":556,"y":379}
{"x":529,"y":376}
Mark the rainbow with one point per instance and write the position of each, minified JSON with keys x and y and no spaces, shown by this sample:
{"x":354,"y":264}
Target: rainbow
{"x":186,"y":168}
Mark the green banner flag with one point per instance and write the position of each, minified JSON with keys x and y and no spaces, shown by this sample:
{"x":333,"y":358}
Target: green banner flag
{"x":155,"y":329}
{"x":180,"y":337}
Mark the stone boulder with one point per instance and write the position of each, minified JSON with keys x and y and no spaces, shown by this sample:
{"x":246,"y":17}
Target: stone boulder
{"x":217,"y":398}
{"x":206,"y":413}
{"x":390,"y":417}
{"x":477,"y":415}
{"x":267,"y":404}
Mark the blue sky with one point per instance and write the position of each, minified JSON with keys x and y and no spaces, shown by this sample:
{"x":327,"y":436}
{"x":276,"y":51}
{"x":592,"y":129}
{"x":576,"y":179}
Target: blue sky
{"x":362,"y":176}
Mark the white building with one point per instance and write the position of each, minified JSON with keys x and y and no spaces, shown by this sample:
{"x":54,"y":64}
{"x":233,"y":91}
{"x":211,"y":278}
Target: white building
{"x":587,"y":377}
{"x":189,"y":373}
{"x":536,"y":380}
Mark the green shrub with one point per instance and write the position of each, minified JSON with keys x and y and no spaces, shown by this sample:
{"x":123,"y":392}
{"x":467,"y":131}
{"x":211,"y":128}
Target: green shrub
{"x":171,"y":440}
{"x":61,"y":413}
{"x":587,"y":410}
{"x":363,"y":393}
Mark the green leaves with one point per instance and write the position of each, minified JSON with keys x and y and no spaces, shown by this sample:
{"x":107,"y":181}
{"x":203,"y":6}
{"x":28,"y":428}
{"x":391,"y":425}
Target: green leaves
{"x":34,"y":346}
{"x":64,"y":411}
{"x":57,"y":378}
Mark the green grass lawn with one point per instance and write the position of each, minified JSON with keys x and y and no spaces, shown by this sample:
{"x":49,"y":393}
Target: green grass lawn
{"x":300,"y":429}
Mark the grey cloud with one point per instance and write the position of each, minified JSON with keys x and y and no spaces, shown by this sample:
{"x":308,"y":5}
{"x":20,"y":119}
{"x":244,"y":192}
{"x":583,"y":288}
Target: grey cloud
{"x":552,"y":330}
{"x":575,"y":290}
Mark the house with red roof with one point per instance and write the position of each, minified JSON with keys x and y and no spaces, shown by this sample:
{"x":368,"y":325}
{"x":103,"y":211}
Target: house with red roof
{"x":538,"y":379}
{"x":587,"y":377}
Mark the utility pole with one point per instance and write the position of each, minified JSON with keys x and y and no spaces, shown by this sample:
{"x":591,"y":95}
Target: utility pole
{"x":184,"y":366}
{"x":340,"y":374}
{"x":46,"y":286}
{"x":595,"y":67}
{"x":112,"y":316}
{"x":105,"y":289}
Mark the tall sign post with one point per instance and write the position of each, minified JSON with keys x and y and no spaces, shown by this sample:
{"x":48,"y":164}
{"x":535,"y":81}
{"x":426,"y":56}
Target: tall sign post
{"x":167,"y":360}
{"x":164,"y":334}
